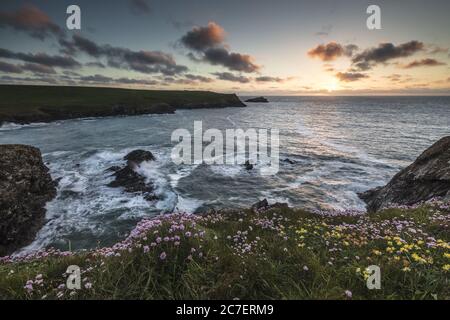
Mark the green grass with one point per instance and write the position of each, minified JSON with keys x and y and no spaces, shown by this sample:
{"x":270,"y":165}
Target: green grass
{"x":293,"y":254}
{"x":38,"y":101}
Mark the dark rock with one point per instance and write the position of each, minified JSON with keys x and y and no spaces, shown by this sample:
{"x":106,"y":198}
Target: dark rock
{"x":138,"y":156}
{"x":263,"y":205}
{"x":428,"y":177}
{"x":131,"y":181}
{"x":248,"y":165}
{"x":258,"y":99}
{"x":287,"y":160}
{"x":260,"y":205}
{"x":25,"y":188}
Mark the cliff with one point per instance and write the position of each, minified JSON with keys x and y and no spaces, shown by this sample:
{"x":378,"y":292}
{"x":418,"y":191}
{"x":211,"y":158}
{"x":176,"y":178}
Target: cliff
{"x":25,"y":188}
{"x":27,"y":104}
{"x":428,"y":177}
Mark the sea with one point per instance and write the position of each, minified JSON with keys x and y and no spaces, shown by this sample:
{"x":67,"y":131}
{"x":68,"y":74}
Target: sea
{"x":330,"y":149}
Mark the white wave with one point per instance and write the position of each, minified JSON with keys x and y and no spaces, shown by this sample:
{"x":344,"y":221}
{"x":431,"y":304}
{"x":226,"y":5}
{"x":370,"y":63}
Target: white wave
{"x":187,"y":205}
{"x":8,"y":126}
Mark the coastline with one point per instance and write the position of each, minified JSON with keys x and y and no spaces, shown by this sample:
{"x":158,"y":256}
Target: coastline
{"x":32,"y":104}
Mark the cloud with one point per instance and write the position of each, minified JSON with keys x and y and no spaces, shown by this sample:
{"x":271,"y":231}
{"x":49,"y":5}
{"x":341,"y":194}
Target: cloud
{"x":385,"y":52}
{"x":41,"y":58}
{"x":269,"y":79}
{"x":350,"y":76}
{"x":198,"y":78}
{"x":32,"y":21}
{"x":331,"y":51}
{"x":122,"y":58}
{"x":98,"y":78}
{"x":209,"y":46}
{"x":140,"y":7}
{"x":95,"y":65}
{"x":424,"y":63}
{"x":227,"y":76}
{"x":232,"y":61}
{"x":38,"y":68}
{"x":9,"y":68}
{"x":202,"y":38}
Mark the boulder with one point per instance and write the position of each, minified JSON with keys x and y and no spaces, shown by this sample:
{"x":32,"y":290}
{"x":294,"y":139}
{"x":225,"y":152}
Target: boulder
{"x":131,"y":181}
{"x":428,"y":177}
{"x":25,"y":187}
{"x":248,"y":166}
{"x":138,"y":156}
{"x":258,"y":99}
{"x":264,"y":205}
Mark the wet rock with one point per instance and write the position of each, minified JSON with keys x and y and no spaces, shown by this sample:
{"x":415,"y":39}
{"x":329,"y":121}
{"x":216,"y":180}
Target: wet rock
{"x":287,"y":160}
{"x":258,"y":99}
{"x":260,"y":205}
{"x":428,"y":177}
{"x":264,"y":205}
{"x":248,"y":165}
{"x":129,"y":179}
{"x":138,"y":156}
{"x":25,"y":187}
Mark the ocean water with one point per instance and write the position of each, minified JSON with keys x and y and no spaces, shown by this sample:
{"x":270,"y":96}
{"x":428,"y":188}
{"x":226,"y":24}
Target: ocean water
{"x":338,"y":145}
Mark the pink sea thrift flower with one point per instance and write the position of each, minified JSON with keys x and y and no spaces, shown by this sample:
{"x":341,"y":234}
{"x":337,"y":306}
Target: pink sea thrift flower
{"x":163,"y":256}
{"x":348,"y":294}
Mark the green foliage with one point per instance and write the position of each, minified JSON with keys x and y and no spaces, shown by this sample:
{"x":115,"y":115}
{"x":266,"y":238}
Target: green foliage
{"x":275,"y":254}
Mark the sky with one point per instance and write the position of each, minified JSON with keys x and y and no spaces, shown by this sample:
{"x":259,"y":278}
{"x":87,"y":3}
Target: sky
{"x":248,"y":47}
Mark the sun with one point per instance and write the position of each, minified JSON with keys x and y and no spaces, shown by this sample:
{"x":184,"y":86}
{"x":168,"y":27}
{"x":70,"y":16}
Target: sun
{"x":332,"y":86}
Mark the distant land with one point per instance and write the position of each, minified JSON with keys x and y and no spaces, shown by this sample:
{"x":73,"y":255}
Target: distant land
{"x":24,"y":104}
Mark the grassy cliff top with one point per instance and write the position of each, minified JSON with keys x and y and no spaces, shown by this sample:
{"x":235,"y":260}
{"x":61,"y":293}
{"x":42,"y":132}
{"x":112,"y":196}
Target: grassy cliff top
{"x":41,"y":102}
{"x":275,"y":254}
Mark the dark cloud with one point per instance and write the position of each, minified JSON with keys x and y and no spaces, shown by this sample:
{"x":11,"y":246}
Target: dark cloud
{"x":9,"y":68}
{"x":424,"y":63}
{"x":140,"y":7}
{"x":38,"y":68}
{"x":231,"y":60}
{"x":202,"y":38}
{"x":208,"y":44}
{"x":385,"y":52}
{"x":269,"y":79}
{"x":350,"y":76}
{"x":123,"y":58}
{"x":32,"y":21}
{"x":331,"y":51}
{"x":41,"y":58}
{"x":227,"y":76}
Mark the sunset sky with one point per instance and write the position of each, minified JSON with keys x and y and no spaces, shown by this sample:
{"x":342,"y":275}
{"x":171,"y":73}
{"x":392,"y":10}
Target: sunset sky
{"x":250,"y":47}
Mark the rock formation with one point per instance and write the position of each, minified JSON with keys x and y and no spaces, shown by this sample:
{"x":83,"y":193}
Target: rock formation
{"x":129,"y":179}
{"x":258,"y":99}
{"x":25,"y":187}
{"x":428,"y":177}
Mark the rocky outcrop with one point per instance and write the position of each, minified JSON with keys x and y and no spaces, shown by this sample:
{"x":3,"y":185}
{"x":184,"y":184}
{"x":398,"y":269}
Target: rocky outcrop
{"x":25,"y":187}
{"x":428,"y":177}
{"x":129,"y":179}
{"x":258,"y":99}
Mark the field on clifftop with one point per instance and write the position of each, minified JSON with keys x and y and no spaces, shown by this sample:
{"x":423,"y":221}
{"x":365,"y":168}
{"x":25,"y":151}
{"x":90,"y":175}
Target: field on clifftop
{"x":274,"y":254}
